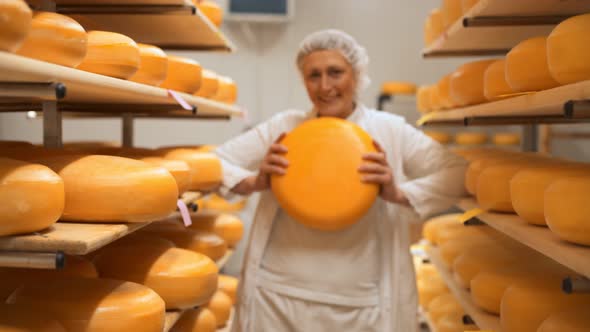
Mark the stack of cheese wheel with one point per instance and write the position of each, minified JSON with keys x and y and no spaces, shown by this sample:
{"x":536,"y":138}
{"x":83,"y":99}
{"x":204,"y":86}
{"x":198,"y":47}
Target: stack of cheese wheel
{"x":506,"y":139}
{"x":423,"y":99}
{"x":15,"y":25}
{"x":95,"y":305}
{"x":571,"y":320}
{"x":471,"y":138}
{"x":33,"y":197}
{"x":433,"y":27}
{"x":398,"y":88}
{"x":196,"y":320}
{"x":439,"y":136}
{"x":205,"y":167}
{"x":467,"y":265}
{"x":227,"y":91}
{"x":453,"y":323}
{"x":179,"y":169}
{"x":229,"y":227}
{"x":434,"y":98}
{"x":216,"y":203}
{"x":478,"y":164}
{"x":460,"y":244}
{"x":568,"y":50}
{"x":443,"y":305}
{"x":55,"y":38}
{"x":430,"y":285}
{"x":467,"y":83}
{"x":114,"y":189}
{"x":495,"y":85}
{"x":433,"y":225}
{"x":209,"y":84}
{"x":183,"y":278}
{"x":527,"y":68}
{"x":220,"y":305}
{"x":451,"y":12}
{"x":444,"y":92}
{"x":229,"y":285}
{"x":18,"y":318}
{"x":211,"y":10}
{"x":111,"y":54}
{"x":184,"y":75}
{"x":153,"y":65}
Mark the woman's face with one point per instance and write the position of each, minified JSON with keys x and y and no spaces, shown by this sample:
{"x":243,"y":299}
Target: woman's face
{"x":330,"y":83}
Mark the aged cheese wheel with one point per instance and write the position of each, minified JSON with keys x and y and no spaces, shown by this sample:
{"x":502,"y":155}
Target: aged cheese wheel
{"x":32,"y":197}
{"x":467,"y":4}
{"x":321,"y":189}
{"x":423,"y":99}
{"x":527,"y":68}
{"x":452,"y":249}
{"x":184,"y":75}
{"x":434,"y":98}
{"x":111,"y":54}
{"x":398,"y":88}
{"x":426,"y":271}
{"x":482,"y":162}
{"x":219,"y":204}
{"x":495,"y":85}
{"x":95,"y":305}
{"x":567,"y":211}
{"x":572,"y":320}
{"x":444,"y":92}
{"x":15,"y":24}
{"x":229,"y":227}
{"x":179,"y":169}
{"x":442,"y":305}
{"x":114,"y":189}
{"x":461,"y":233}
{"x":433,"y":26}
{"x":471,"y":138}
{"x":506,"y":139}
{"x":205,"y":167}
{"x":439,"y":136}
{"x":229,"y":285}
{"x":467,"y":265}
{"x":20,"y":318}
{"x":453,"y":323}
{"x":220,"y":305}
{"x":451,"y":12}
{"x":429,"y":289}
{"x":227,"y":91}
{"x":183,"y":278}
{"x":153,"y":65}
{"x":212,"y":11}
{"x":467,"y":83}
{"x":196,"y":320}
{"x":568,"y":49}
{"x":209,"y":84}
{"x":433,"y":225}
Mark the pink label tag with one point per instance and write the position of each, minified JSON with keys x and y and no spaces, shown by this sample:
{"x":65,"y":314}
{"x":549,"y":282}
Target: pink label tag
{"x":180,"y":100}
{"x":186,"y":217}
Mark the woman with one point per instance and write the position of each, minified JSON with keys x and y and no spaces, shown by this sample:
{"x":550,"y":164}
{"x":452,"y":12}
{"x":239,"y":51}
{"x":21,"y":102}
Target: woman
{"x":359,"y":279}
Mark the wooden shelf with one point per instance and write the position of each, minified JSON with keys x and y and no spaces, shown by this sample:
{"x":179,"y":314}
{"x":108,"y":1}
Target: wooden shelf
{"x":171,"y":318}
{"x":538,"y":238}
{"x":493,"y":27}
{"x":484,"y":321}
{"x":223,"y":260}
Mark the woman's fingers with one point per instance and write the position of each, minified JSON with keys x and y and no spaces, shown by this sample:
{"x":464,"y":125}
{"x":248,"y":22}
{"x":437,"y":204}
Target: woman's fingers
{"x":277,"y":160}
{"x":277,"y":148}
{"x":372,"y":168}
{"x":272,"y":169}
{"x":378,"y":157}
{"x":376,"y":178}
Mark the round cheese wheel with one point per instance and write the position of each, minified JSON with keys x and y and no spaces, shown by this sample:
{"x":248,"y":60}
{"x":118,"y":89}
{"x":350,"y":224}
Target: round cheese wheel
{"x":183,"y":278}
{"x":209,"y":84}
{"x":229,"y":285}
{"x":495,"y":85}
{"x":439,"y":136}
{"x":184,"y":75}
{"x":32,"y":197}
{"x":220,"y":305}
{"x":153,"y":65}
{"x":429,"y":289}
{"x":114,"y":189}
{"x":467,"y":265}
{"x":212,"y":11}
{"x":453,"y":322}
{"x":467,"y":4}
{"x":568,"y":49}
{"x":477,"y":166}
{"x":205,"y":167}
{"x":423,"y":99}
{"x":219,"y":204}
{"x":527,"y":68}
{"x":433,"y":225}
{"x":444,"y":92}
{"x":398,"y":88}
{"x":526,"y":305}
{"x":451,"y":12}
{"x":471,"y":138}
{"x":442,"y":305}
{"x":467,"y":83}
{"x":433,"y":27}
{"x":111,"y":54}
{"x":95,"y":305}
{"x":227,"y":91}
{"x":322,"y":189}
{"x":572,"y":320}
{"x":55,"y":38}
{"x":426,"y":271}
{"x":461,"y":233}
{"x":229,"y":227}
{"x":19,"y":318}
{"x":196,"y":320}
{"x":434,"y":98}
{"x":179,"y":169}
{"x":450,"y":250}
{"x":506,"y":139}
{"x":15,"y":24}
{"x":567,"y":211}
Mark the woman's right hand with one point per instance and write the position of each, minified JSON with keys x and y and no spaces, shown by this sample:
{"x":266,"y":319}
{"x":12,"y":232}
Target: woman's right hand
{"x":273,"y":163}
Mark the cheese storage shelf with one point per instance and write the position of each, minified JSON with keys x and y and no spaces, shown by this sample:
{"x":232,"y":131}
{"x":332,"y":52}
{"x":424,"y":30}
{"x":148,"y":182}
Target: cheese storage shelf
{"x":223,"y":260}
{"x":483,"y":320}
{"x":171,"y":318}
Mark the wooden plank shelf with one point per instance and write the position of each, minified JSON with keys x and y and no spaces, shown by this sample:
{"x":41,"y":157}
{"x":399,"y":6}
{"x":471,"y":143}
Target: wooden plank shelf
{"x":223,"y":260}
{"x":539,"y":238}
{"x":171,"y":318}
{"x":484,"y":321}
{"x":493,"y":27}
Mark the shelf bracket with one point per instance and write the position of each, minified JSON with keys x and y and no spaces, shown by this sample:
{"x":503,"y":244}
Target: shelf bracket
{"x":33,"y":260}
{"x":52,"y":125}
{"x":510,"y":21}
{"x":127,"y":130}
{"x":530,"y":138}
{"x":382,"y":99}
{"x":38,"y":90}
{"x":576,"y":285}
{"x":577,"y":109}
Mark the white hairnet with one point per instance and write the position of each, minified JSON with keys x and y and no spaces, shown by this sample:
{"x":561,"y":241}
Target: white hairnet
{"x":344,"y":43}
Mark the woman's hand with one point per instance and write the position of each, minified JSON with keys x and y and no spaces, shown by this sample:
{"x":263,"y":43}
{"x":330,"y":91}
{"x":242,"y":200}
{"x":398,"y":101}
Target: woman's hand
{"x":376,"y":170}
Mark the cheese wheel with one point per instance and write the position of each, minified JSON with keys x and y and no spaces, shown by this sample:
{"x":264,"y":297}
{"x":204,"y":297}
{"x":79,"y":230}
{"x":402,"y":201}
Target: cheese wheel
{"x":443,"y":305}
{"x":32,"y":197}
{"x":183,"y":278}
{"x":495,"y":85}
{"x":196,"y":320}
{"x":572,"y":320}
{"x":461,"y":233}
{"x":444,"y":92}
{"x":114,"y":189}
{"x":526,"y":305}
{"x":179,"y":169}
{"x":228,"y":285}
{"x":450,"y":250}
{"x":467,"y":4}
{"x":434,"y":98}
{"x":229,"y":227}
{"x":429,"y":289}
{"x":423,"y":99}
{"x":433,"y":225}
{"x":527,"y":68}
{"x":15,"y":24}
{"x":453,"y":323}
{"x":433,"y":27}
{"x":471,"y":138}
{"x":95,"y":305}
{"x":55,"y":38}
{"x":451,"y":12}
{"x":227,"y":91}
{"x":220,"y":305}
{"x":567,"y":211}
{"x":506,"y":139}
{"x":439,"y":136}
{"x":209,"y":84}
{"x":111,"y":54}
{"x":568,"y":49}
{"x":153,"y":65}
{"x":426,"y":272}
{"x":398,"y":88}
{"x":320,"y":189}
{"x":205,"y":167}
{"x":220,"y":204}
{"x":478,"y":165}
{"x":19,"y":318}
{"x":467,"y":83}
{"x":469,"y":264}
{"x":211,"y":10}
{"x":184,"y":75}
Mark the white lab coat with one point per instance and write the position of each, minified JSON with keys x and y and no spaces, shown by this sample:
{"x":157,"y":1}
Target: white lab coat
{"x":429,"y":175}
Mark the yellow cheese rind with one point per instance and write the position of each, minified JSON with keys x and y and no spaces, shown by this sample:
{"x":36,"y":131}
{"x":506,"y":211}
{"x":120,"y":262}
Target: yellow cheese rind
{"x":196,"y":320}
{"x":211,"y":10}
{"x":568,"y":50}
{"x":153,"y":66}
{"x":433,"y":26}
{"x":179,"y":169}
{"x":572,"y":320}
{"x":227,"y":91}
{"x":229,"y":285}
{"x":20,"y":318}
{"x":209,"y":84}
{"x":111,"y":54}
{"x":467,"y":83}
{"x":205,"y":167}
{"x":15,"y":25}
{"x":527,"y":68}
{"x":567,"y":211}
{"x":184,"y":75}
{"x":495,"y":85}
{"x":423,"y":99}
{"x":398,"y":88}
{"x":220,"y":305}
{"x":229,"y":227}
{"x":451,"y":12}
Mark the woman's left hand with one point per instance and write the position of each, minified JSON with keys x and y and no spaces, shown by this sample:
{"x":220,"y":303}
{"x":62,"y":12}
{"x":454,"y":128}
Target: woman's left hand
{"x":376,"y":170}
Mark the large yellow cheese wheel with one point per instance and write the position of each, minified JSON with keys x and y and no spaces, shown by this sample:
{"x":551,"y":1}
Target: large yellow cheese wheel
{"x":220,"y":305}
{"x":471,"y":138}
{"x":229,"y":285}
{"x":482,"y":162}
{"x":442,"y":305}
{"x":183,"y":278}
{"x":526,"y":305}
{"x":206,"y":167}
{"x":567,"y":211}
{"x":467,"y":4}
{"x":184,"y":74}
{"x":453,"y":322}
{"x":469,"y":264}
{"x":153,"y":65}
{"x":217,"y":203}
{"x":433,"y":26}
{"x":444,"y":92}
{"x":95,"y":305}
{"x":460,"y":233}
{"x":495,"y":85}
{"x":423,"y":99}
{"x":451,"y":12}
{"x":568,"y":49}
{"x":439,"y":136}
{"x":179,"y":169}
{"x":229,"y":227}
{"x":398,"y":88}
{"x":114,"y":189}
{"x":429,"y":289}
{"x":209,"y":84}
{"x":111,"y":54}
{"x":321,"y":189}
{"x":55,"y":38}
{"x":506,"y":139}
{"x":433,"y":225}
{"x":450,"y":250}
{"x":14,"y":24}
{"x":20,"y":318}
{"x":211,"y":10}
{"x":527,"y":68}
{"x":227,"y":91}
{"x":426,"y":271}
{"x":467,"y":83}
{"x":434,"y":98}
{"x":572,"y":320}
{"x":196,"y":320}
{"x":32,"y":197}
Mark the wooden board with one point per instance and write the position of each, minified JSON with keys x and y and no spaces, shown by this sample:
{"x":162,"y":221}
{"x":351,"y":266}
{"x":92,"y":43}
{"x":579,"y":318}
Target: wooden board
{"x":71,"y":238}
{"x":223,"y":260}
{"x":538,"y":238}
{"x":171,"y":318}
{"x":484,"y":321}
